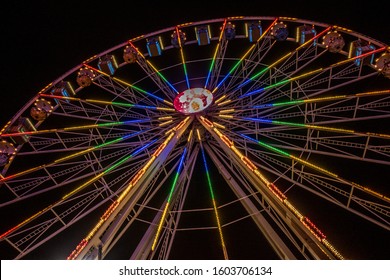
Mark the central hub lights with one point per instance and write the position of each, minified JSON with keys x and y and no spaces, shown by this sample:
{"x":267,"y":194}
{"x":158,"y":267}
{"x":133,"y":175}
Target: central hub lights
{"x":192,"y":101}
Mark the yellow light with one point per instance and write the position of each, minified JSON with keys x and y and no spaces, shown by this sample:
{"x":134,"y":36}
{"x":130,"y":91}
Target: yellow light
{"x":226,"y":111}
{"x":219,"y":133}
{"x":237,"y":17}
{"x":314,"y":166}
{"x":190,"y":135}
{"x":160,"y":226}
{"x":249,"y":163}
{"x":165,"y":118}
{"x":159,"y":149}
{"x":220,"y":99}
{"x":227,"y":141}
{"x":225,"y":116}
{"x":293,"y":209}
{"x":219,"y":125}
{"x":198,"y":133}
{"x":373,"y":92}
{"x":149,"y":163}
{"x":169,"y":131}
{"x":165,"y":123}
{"x":137,"y":177}
{"x":181,"y":124}
{"x":225,"y":102}
{"x":237,"y":152}
{"x":45,"y":88}
{"x":207,"y":122}
{"x":165,"y":109}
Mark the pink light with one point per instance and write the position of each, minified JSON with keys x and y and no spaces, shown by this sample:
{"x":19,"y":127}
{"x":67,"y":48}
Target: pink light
{"x":192,"y":101}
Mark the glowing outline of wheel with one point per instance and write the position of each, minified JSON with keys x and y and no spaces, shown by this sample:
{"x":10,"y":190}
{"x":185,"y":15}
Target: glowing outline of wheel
{"x":225,"y":133}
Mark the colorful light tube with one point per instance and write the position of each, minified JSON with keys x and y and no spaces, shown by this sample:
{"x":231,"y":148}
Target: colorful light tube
{"x":95,"y":101}
{"x":284,"y":57}
{"x":321,"y":99}
{"x":312,"y":229}
{"x":282,"y":82}
{"x":225,"y":254}
{"x":84,"y":242}
{"x":215,"y":54}
{"x":68,"y":157}
{"x":79,"y":188}
{"x":73,"y":128}
{"x":316,"y":167}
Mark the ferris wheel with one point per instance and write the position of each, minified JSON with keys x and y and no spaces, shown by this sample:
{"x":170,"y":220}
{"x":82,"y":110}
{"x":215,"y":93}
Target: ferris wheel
{"x":230,"y":138}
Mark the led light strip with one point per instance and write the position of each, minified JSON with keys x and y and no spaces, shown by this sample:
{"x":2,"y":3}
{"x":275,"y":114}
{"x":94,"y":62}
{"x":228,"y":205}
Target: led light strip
{"x":129,"y":85}
{"x":74,"y":191}
{"x":245,"y":55}
{"x":153,"y":67}
{"x":121,"y":197}
{"x":272,"y":187}
{"x":225,"y":254}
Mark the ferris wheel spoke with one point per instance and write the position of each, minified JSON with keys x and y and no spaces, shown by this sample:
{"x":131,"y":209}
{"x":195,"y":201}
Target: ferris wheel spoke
{"x":322,"y":99}
{"x":322,"y":170}
{"x":328,"y":174}
{"x":175,"y":197}
{"x":129,"y":85}
{"x":338,"y":144}
{"x":373,"y":202}
{"x":325,"y":187}
{"x":168,"y":201}
{"x":145,"y":202}
{"x":96,"y":176}
{"x":158,"y":78}
{"x":341,"y":131}
{"x":231,"y":87}
{"x":330,"y":69}
{"x":280,"y":83}
{"x":183,"y":60}
{"x":215,"y":67}
{"x":71,"y":156}
{"x":288,"y":60}
{"x":74,"y":128}
{"x":261,"y":180}
{"x":254,"y":202}
{"x":23,"y":186}
{"x":330,"y":109}
{"x":347,"y":147}
{"x":113,"y":210}
{"x":112,"y":103}
{"x":237,"y":64}
{"x":217,"y":217}
{"x":288,"y":121}
{"x":109,"y":115}
{"x":329,"y":76}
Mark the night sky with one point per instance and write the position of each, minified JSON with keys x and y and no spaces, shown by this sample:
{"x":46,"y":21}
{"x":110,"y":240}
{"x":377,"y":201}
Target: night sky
{"x":41,"y":40}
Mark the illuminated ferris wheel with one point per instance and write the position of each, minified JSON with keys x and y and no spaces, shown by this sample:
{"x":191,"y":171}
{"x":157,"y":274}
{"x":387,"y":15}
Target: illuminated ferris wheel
{"x":212,"y":139}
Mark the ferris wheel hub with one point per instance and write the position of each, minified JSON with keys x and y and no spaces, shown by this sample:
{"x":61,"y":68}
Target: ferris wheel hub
{"x":193,"y":100}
